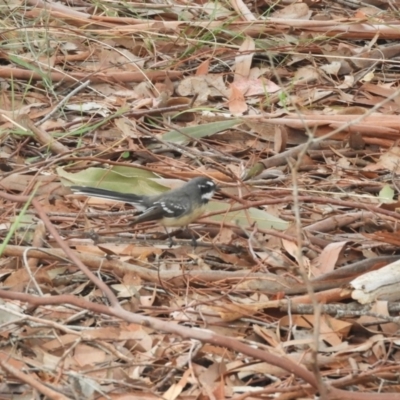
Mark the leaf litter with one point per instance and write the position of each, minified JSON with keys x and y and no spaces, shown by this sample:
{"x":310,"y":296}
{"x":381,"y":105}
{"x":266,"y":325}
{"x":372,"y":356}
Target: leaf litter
{"x":293,"y":109}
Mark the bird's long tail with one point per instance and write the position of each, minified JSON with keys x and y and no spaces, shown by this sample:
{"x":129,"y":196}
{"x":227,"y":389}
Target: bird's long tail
{"x":108,"y":194}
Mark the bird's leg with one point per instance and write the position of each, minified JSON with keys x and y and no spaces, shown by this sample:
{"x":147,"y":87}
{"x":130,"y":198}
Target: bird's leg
{"x":182,"y":230}
{"x":193,"y":236}
{"x":171,"y":241}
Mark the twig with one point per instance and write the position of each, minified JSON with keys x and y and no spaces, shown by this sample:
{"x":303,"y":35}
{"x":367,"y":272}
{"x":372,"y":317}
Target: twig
{"x":72,"y":255}
{"x":28,"y":265}
{"x":63,"y":101}
{"x":281,"y":158}
{"x":31,"y":381}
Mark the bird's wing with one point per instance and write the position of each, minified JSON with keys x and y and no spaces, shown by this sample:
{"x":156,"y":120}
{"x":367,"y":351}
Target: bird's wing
{"x":151,"y":214}
{"x":168,"y":207}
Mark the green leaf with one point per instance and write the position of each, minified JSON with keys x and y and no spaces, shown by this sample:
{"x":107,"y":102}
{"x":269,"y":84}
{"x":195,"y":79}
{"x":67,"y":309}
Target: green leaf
{"x":19,"y":61}
{"x":120,"y":179}
{"x":88,"y":127}
{"x":131,"y":172}
{"x":386,"y":194}
{"x":199,"y":131}
{"x":255,"y":170}
{"x":246,"y":218}
{"x":19,"y":222}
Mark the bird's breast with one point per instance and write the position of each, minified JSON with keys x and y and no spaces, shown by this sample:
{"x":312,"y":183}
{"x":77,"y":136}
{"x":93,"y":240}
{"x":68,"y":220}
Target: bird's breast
{"x":185,"y":219}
